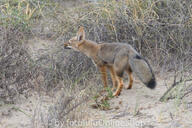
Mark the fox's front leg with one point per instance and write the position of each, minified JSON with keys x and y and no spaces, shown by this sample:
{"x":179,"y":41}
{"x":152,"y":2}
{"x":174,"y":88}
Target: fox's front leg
{"x":113,"y":77}
{"x":120,"y":86}
{"x":103,"y":75}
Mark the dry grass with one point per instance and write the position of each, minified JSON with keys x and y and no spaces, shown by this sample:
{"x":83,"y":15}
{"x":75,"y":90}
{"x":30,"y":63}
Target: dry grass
{"x":16,"y":67}
{"x":159,"y":30}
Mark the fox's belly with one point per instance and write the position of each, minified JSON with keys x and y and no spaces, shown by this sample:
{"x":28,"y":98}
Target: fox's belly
{"x":100,"y":62}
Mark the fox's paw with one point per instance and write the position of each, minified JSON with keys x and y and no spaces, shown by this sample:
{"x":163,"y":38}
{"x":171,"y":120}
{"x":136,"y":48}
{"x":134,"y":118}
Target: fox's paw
{"x":129,"y":87}
{"x":117,"y":93}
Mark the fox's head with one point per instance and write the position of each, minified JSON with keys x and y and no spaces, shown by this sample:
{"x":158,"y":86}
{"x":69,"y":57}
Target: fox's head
{"x":76,"y":41}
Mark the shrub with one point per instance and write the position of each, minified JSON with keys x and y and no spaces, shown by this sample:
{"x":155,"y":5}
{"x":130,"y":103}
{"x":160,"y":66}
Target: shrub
{"x":159,"y":30}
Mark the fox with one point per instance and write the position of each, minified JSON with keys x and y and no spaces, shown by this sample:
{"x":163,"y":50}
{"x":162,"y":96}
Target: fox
{"x":115,"y":57}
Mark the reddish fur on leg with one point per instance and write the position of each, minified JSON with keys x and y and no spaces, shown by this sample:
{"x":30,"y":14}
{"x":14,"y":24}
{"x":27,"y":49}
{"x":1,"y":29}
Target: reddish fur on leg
{"x":119,"y":88}
{"x":113,"y":77}
{"x":104,"y":75}
{"x":130,"y":80}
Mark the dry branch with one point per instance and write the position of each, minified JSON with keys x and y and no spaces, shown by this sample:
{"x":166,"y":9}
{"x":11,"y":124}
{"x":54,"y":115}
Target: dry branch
{"x":181,"y":86}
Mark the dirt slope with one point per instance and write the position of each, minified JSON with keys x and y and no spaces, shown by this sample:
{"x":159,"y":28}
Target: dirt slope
{"x":136,"y":108}
{"x":140,"y":108}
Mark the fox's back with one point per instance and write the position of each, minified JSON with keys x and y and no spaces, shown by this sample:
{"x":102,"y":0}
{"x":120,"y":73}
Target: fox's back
{"x":108,"y":51}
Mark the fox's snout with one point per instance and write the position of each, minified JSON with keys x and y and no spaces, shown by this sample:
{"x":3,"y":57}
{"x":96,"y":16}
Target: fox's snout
{"x":66,"y":45}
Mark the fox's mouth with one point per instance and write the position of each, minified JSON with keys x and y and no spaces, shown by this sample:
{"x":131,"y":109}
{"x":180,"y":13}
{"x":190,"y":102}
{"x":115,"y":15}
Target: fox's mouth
{"x":66,"y":46}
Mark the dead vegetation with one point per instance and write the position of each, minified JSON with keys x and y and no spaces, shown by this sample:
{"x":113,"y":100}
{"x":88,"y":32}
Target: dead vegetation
{"x":16,"y":67}
{"x":159,"y":30}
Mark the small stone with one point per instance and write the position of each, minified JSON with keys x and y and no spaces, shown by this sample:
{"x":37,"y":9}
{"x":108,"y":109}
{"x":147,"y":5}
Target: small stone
{"x":117,"y":107}
{"x":6,"y":113}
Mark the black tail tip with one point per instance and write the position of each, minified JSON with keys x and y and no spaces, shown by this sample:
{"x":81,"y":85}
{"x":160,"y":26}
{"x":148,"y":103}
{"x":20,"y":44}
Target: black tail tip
{"x":151,"y":84}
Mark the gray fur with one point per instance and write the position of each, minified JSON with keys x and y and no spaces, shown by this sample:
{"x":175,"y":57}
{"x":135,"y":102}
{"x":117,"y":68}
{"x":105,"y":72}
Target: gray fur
{"x":123,"y":57}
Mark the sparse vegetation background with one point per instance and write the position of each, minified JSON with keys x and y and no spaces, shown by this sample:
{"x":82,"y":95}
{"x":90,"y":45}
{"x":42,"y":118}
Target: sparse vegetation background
{"x":158,"y":29}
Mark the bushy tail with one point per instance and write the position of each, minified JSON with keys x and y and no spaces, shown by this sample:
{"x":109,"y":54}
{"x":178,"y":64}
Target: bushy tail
{"x":143,"y":70}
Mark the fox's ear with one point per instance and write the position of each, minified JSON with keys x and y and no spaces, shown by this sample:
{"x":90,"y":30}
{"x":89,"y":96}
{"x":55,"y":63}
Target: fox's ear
{"x":81,"y":34}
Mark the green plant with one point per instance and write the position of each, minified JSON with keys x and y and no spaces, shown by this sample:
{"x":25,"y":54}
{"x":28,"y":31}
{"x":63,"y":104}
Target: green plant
{"x":21,"y":13}
{"x":102,"y":102}
{"x":109,"y":92}
{"x":105,"y":105}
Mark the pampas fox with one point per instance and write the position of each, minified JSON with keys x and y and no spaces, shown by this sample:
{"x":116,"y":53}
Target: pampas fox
{"x":117,"y":58}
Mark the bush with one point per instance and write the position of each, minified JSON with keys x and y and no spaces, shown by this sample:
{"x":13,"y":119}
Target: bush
{"x":17,"y":68}
{"x":21,"y":13}
{"x":159,"y":30}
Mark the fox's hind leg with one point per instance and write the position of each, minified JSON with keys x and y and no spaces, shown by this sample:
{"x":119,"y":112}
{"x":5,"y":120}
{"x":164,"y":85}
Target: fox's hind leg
{"x":113,"y":77}
{"x":104,"y":75}
{"x":119,"y":72}
{"x":120,"y":64}
{"x":129,"y":72}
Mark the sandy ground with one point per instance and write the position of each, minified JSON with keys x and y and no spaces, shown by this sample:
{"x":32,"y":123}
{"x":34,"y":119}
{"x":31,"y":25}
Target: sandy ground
{"x":135,"y":108}
{"x":140,"y":108}
{"x":20,"y":115}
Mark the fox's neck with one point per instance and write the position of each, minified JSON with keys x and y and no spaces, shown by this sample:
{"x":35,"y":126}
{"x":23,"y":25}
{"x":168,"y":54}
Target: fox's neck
{"x":89,"y":48}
